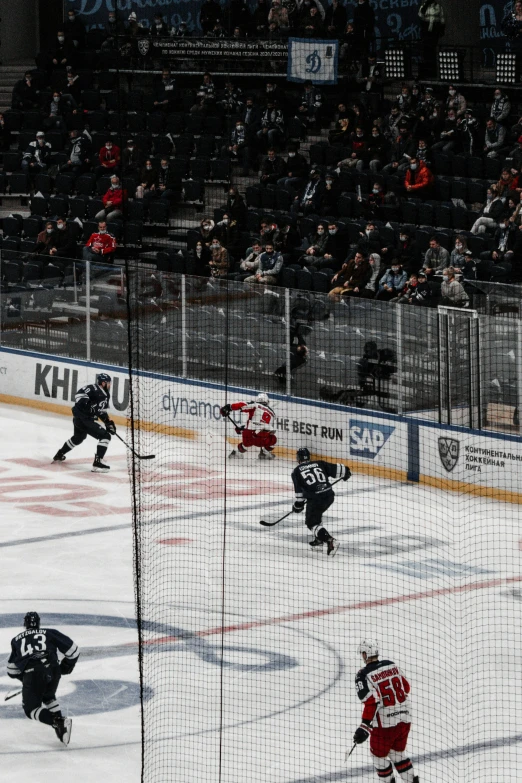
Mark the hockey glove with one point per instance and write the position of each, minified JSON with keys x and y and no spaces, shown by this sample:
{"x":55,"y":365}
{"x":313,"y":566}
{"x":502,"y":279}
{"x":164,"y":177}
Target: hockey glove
{"x":67,"y":665}
{"x":347,"y":474}
{"x":361,"y":734}
{"x":298,"y":506}
{"x":239,"y":430}
{"x":225,"y":410}
{"x":110,"y":427}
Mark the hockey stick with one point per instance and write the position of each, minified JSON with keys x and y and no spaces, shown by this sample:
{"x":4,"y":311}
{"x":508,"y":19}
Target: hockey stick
{"x":271,"y":524}
{"x":12,"y":694}
{"x":239,"y":427}
{"x":347,"y":755}
{"x":139,"y":456}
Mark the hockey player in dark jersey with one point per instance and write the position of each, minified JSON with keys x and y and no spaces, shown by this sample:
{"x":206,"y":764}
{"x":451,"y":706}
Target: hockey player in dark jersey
{"x":312,"y":486}
{"x":385,"y":692}
{"x":91,"y":403}
{"x":34,"y":661}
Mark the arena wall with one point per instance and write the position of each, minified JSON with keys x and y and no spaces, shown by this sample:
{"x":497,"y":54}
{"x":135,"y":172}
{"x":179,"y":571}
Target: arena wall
{"x":378,"y":444}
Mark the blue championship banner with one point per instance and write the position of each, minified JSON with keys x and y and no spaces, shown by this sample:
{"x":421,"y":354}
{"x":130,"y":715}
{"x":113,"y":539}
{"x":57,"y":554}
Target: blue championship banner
{"x":312,"y":60}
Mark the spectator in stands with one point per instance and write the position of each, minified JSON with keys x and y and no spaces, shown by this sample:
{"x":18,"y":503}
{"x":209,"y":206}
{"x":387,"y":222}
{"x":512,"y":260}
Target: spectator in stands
{"x":149,"y":180}
{"x":468,"y":269}
{"x":501,"y":107}
{"x":227,"y":231}
{"x":250,"y":262}
{"x":514,"y":156}
{"x":341,"y":134}
{"x":393,"y":122}
{"x":109,"y":157}
{"x":181,"y":31}
{"x":287,"y":240}
{"x":455,"y":101}
{"x":494,"y":139}
{"x":406,"y":250}
{"x":507,"y":184}
{"x":272,"y":126}
{"x":308,"y":199}
{"x":369,"y":290}
{"x":56,"y":111}
{"x":260,"y":18}
{"x":62,"y":52}
{"x":79,"y":151}
{"x":402,"y":151}
{"x":298,"y":358}
{"x":369,"y":77}
{"x":159,"y":27}
{"x":63,"y":243}
{"x":239,"y":15}
{"x":358,"y":151}
{"x":310,"y":106}
{"x":279,"y":14}
{"x":352,"y":278}
{"x":392,"y":282}
{"x":237,"y":208}
{"x":218,"y":31}
{"x":133,"y":28}
{"x":231,"y":98}
{"x":404,"y":99}
{"x":449,"y":136}
{"x":209,"y":13}
{"x":72,"y":92}
{"x":101,"y":246}
{"x":453,"y":293}
{"x":74,"y":29}
{"x":435,"y":258}
{"x":219,"y":259}
{"x":364,"y":25}
{"x":349,"y":46}
{"x":113,"y":29}
{"x":316,"y":245}
{"x":490,"y":213}
{"x":329,"y":196}
{"x":417,"y":291}
{"x":272,"y":168}
{"x":312,"y":24}
{"x":200,"y":257}
{"x":43,"y":240}
{"x":378,"y":148}
{"x":251,"y":116}
{"x":238,"y":149}
{"x":470,"y":136}
{"x":501,"y":258}
{"x":165,"y":93}
{"x":131,"y":160}
{"x":419,"y":179}
{"x":5,"y":135}
{"x":335,"y":19}
{"x":296,"y":170}
{"x":25,"y":94}
{"x":331,"y":252}
{"x":113,"y":202}
{"x":458,"y":254}
{"x":168,"y":187}
{"x":431,"y":14}
{"x":270,"y":264}
{"x":37,"y":156}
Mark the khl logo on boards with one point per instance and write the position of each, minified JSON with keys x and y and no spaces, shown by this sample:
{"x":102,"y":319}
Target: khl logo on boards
{"x":449,"y":449}
{"x":367,"y":438}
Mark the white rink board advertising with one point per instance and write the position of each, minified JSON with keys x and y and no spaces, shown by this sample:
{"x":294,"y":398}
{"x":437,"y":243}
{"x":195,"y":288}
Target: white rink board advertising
{"x":456,"y":455}
{"x":46,"y":381}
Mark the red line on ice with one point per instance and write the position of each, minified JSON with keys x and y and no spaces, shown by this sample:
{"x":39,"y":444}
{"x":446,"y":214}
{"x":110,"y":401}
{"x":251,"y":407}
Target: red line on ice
{"x":290,"y":618}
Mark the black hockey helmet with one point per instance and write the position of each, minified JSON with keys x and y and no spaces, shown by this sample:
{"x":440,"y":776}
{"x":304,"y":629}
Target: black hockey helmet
{"x":303,"y":455}
{"x":103,"y":377}
{"x":32,"y":620}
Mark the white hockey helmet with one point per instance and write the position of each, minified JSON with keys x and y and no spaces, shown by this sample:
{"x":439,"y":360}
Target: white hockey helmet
{"x":262,"y":398}
{"x":370,"y":647}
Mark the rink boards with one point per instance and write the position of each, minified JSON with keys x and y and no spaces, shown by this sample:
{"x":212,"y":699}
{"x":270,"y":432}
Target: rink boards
{"x":383,"y":445}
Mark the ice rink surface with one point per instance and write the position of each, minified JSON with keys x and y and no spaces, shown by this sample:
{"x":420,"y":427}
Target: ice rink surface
{"x":252,"y":643}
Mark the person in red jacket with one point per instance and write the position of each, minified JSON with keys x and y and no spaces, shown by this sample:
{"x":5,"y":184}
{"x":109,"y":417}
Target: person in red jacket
{"x":109,"y":157}
{"x":419,"y":179}
{"x":100,"y":246}
{"x":112,"y":202}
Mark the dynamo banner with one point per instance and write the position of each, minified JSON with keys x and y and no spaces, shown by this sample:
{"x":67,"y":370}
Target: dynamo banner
{"x":312,"y":60}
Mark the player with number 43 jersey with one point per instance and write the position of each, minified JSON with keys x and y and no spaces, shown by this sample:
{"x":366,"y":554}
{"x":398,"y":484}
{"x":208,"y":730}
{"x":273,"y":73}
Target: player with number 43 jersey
{"x":385,"y":692}
{"x":312,"y":487}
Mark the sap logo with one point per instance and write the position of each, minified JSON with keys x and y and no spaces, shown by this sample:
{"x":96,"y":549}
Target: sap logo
{"x":367,"y":438}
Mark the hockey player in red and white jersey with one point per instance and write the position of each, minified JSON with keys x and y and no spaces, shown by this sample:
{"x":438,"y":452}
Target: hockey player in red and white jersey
{"x":386,"y":719}
{"x":259,"y":429}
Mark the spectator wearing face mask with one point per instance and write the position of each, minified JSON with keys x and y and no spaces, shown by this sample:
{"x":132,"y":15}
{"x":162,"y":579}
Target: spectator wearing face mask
{"x":406,"y":250}
{"x":113,"y":202}
{"x":295,"y":172}
{"x":238,"y":149}
{"x":402,"y":150}
{"x":404,"y":100}
{"x":165,"y":93}
{"x":272,"y":126}
{"x":352,"y":278}
{"x":272,"y":168}
{"x":269,"y":267}
{"x":63,"y":244}
{"x":74,"y":29}
{"x":226,"y":230}
{"x":237,"y":208}
{"x":169,"y":187}
{"x":378,"y":148}
{"x":37,"y":156}
{"x":501,"y":106}
{"x":372,"y":204}
{"x":329,"y":196}
{"x":114,"y":28}
{"x":490,"y":213}
{"x":449,"y":136}
{"x":131,"y":160}
{"x":206,"y":230}
{"x":494,"y":139}
{"x":452,"y":292}
{"x":159,"y":28}
{"x":199,"y":258}
{"x":219,"y":259}
{"x":507,"y":184}
{"x":455,"y":101}
{"x":358,"y":152}
{"x":392,"y":123}
{"x":418,"y":180}
{"x":79,"y":151}
{"x":316,"y":247}
{"x":100,"y":246}
{"x":61,"y":54}
{"x":499,"y":261}
{"x":109,"y":158}
{"x":307,"y":201}
{"x":470,"y":134}
{"x":435,"y":258}
{"x":25,"y":94}
{"x":44,"y":240}
{"x":369,"y":290}
{"x":392,"y":282}
{"x":369,"y":240}
{"x":56,"y":111}
{"x":458,"y":254}
{"x":148,"y":179}
{"x":417,"y":291}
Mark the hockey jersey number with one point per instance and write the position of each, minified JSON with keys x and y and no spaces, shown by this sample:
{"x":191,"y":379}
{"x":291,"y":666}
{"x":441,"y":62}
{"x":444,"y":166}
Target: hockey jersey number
{"x":39,"y":645}
{"x":313,"y":476}
{"x":392,"y":691}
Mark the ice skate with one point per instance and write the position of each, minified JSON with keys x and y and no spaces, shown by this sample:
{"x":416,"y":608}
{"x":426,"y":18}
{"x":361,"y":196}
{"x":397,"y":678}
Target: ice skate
{"x":235,"y":453}
{"x":63,"y":728}
{"x":98,"y":466}
{"x":315,"y":543}
{"x":59,"y":456}
{"x":264,"y":454}
{"x":333,"y":546}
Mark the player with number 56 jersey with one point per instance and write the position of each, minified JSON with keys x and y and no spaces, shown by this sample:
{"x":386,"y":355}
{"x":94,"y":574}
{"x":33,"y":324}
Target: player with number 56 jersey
{"x":385,"y":691}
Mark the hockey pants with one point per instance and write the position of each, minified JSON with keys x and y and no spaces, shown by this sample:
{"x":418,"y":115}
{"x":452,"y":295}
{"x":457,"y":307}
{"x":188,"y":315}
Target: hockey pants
{"x":39,"y":688}
{"x":84,"y":427}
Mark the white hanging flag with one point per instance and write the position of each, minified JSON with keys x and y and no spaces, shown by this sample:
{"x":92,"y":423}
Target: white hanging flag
{"x":312,"y":60}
